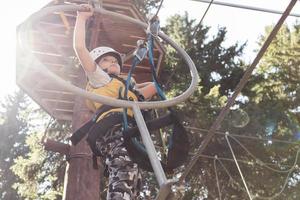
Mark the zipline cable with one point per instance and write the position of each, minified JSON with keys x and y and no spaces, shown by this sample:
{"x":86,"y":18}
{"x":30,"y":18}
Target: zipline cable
{"x":258,"y":161}
{"x":248,"y":7}
{"x":193,"y":35}
{"x":161,"y":2}
{"x":199,"y":24}
{"x":215,"y":126}
{"x":217,"y":178}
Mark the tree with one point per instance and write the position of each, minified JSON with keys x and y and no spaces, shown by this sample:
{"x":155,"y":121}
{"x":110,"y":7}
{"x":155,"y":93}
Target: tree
{"x":13,"y":130}
{"x":27,"y":170}
{"x":40,"y":172}
{"x":271,"y":94}
{"x":274,"y":104}
{"x":145,"y":6}
{"x":220,"y":69}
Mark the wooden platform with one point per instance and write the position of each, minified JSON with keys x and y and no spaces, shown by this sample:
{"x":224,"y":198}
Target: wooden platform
{"x":51,"y":43}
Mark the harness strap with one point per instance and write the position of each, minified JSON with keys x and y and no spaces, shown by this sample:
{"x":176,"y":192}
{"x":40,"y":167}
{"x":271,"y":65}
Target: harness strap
{"x":80,"y":133}
{"x":154,"y":124}
{"x":83,"y":130}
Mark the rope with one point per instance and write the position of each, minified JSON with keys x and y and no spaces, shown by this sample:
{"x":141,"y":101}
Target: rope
{"x":248,"y":7}
{"x":161,"y":2}
{"x":134,"y":64}
{"x":237,"y":183}
{"x":258,"y":161}
{"x":195,"y":31}
{"x":240,"y":161}
{"x":237,"y":165}
{"x":230,"y":177}
{"x":278,"y":193}
{"x":217,"y":178}
{"x":193,"y":35}
{"x":153,"y":67}
{"x":286,"y":180}
{"x":243,"y":136}
{"x":256,"y":195}
{"x":215,"y":126}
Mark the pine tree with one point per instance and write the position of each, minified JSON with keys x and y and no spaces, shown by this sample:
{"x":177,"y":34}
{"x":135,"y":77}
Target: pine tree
{"x":13,"y":130}
{"x":40,"y":172}
{"x":273,"y":107}
{"x":268,"y":107}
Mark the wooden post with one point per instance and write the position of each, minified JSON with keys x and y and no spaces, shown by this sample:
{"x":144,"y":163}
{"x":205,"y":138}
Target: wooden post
{"x":82,"y":181}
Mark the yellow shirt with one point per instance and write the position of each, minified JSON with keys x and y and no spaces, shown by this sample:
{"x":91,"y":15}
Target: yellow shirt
{"x":112,"y":90}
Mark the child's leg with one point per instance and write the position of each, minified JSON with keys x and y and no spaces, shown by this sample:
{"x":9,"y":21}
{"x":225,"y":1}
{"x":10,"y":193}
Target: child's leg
{"x":148,"y":90}
{"x":124,"y":175}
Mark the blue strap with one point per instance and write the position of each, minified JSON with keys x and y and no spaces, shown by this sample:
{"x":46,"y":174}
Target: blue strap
{"x":153,"y":67}
{"x":134,"y":64}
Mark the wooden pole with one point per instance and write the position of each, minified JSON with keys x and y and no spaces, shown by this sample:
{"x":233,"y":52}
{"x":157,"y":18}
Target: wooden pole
{"x":82,"y":181}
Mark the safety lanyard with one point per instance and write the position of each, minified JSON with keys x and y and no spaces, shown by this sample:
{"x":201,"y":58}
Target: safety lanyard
{"x":139,"y":54}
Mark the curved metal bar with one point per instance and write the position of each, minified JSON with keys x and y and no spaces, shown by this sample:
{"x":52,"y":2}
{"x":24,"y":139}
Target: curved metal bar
{"x":103,"y":99}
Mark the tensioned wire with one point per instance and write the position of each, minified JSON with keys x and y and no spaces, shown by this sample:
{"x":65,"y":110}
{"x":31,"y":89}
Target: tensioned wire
{"x":215,"y":126}
{"x":255,"y":196}
{"x":260,"y":162}
{"x":195,"y":31}
{"x":199,"y":24}
{"x":244,"y":181}
{"x":161,"y":2}
{"x":292,"y":168}
{"x":217,"y":178}
{"x":238,"y":167}
{"x":244,"y":136}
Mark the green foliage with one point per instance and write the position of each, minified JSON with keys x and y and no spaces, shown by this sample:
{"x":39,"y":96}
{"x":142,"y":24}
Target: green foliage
{"x":41,"y":172}
{"x":273,"y":106}
{"x":146,"y":6}
{"x":219,"y":68}
{"x":268,"y":107}
{"x":13,"y":128}
{"x":26,"y":169}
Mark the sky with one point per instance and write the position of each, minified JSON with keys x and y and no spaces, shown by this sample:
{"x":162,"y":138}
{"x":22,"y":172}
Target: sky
{"x":242,"y":25}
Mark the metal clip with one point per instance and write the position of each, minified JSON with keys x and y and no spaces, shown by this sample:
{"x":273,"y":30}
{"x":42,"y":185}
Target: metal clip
{"x":141,"y":50}
{"x":153,"y":25}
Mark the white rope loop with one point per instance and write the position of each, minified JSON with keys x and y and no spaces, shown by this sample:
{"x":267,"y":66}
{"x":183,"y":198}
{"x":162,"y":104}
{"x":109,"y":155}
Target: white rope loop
{"x":99,"y":98}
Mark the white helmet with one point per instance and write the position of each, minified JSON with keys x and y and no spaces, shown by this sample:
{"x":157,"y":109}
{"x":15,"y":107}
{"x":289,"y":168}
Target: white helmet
{"x":101,"y":51}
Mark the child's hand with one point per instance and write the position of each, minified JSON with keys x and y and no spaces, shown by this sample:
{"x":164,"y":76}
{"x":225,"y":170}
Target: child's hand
{"x":86,"y":11}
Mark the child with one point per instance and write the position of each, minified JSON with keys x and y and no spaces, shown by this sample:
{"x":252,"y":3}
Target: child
{"x":102,"y":66}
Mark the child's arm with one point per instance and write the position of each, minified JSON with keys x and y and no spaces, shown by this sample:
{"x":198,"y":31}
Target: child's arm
{"x":147,"y":89}
{"x":79,"y":39}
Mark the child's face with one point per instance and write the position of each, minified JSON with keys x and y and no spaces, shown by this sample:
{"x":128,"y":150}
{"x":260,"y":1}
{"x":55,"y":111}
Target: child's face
{"x":110,"y":63}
